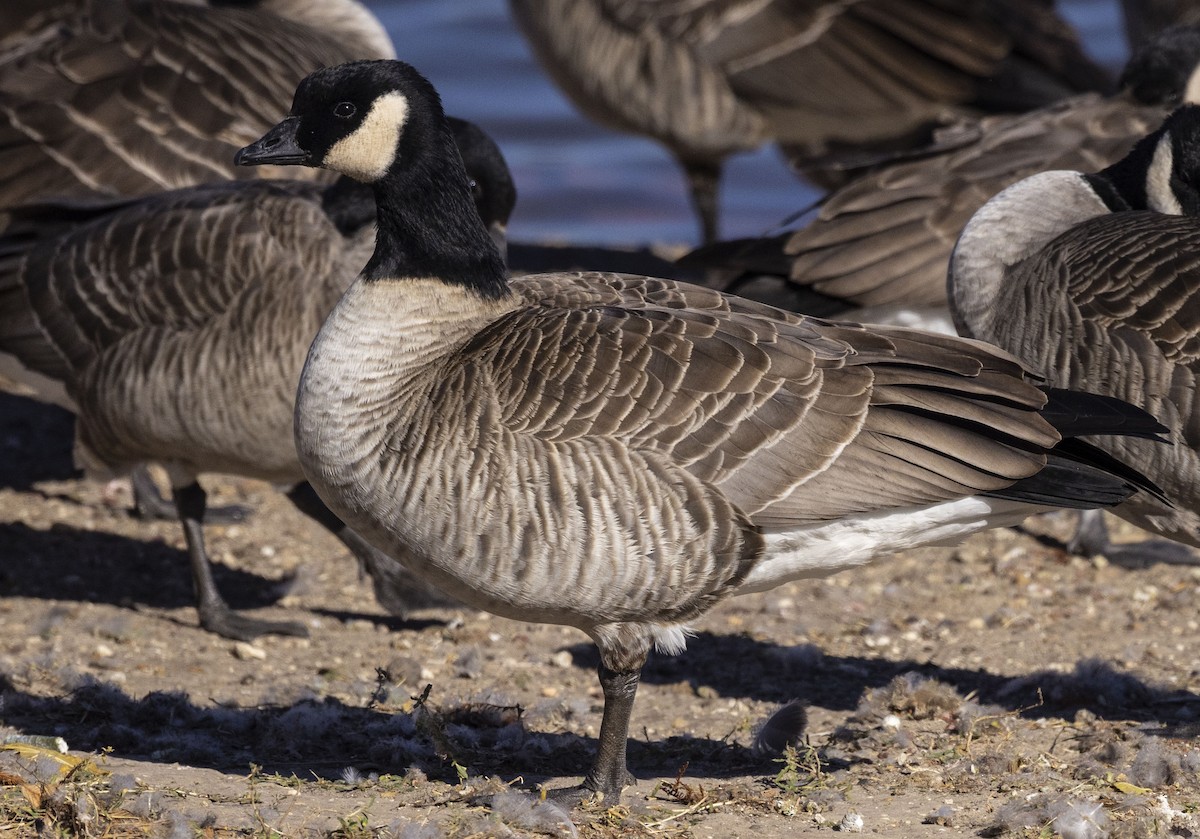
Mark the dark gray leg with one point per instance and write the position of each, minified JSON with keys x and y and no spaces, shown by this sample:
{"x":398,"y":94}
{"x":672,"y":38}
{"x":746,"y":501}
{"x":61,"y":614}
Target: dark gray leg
{"x":149,"y":504}
{"x":396,"y":588}
{"x":609,"y":774}
{"x":215,"y":614}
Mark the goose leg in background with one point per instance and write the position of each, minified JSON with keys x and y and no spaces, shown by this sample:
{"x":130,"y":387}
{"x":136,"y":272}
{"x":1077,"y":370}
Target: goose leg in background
{"x":398,"y":590}
{"x":1091,"y":538}
{"x":704,"y":180}
{"x":215,"y":614}
{"x":149,"y":504}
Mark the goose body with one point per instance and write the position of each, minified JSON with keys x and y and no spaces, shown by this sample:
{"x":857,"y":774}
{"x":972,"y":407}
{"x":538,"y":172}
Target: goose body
{"x":711,"y":78}
{"x":175,"y":328}
{"x":620,"y":453}
{"x":1103,"y":291}
{"x":883,"y":241}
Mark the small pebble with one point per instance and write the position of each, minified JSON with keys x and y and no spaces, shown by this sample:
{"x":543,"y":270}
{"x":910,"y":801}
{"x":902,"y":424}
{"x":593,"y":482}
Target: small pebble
{"x":891,"y":722}
{"x":562,"y":659}
{"x":246,"y":651}
{"x":851,"y":823}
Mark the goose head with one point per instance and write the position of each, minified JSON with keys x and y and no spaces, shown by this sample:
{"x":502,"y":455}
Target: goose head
{"x":352,"y":119}
{"x":381,"y":122}
{"x":1166,"y":69}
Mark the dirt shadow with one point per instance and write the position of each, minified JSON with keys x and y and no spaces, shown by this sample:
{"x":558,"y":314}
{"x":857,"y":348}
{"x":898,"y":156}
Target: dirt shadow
{"x":35,"y":442}
{"x":739,"y":666}
{"x":320,"y":737}
{"x":68,"y":563}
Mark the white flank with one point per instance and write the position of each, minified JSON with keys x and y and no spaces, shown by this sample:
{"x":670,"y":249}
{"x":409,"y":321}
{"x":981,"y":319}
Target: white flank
{"x":930,"y":318}
{"x":823,"y":549}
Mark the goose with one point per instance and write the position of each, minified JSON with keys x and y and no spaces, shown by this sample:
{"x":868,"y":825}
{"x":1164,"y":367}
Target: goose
{"x":127,"y":97}
{"x":881,"y":244}
{"x":714,"y":77}
{"x":175,"y":328}
{"x":620,"y":453}
{"x":130,"y":97}
{"x":1093,"y":281}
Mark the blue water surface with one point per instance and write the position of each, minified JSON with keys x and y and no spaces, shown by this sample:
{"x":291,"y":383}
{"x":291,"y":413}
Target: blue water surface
{"x":581,"y":183}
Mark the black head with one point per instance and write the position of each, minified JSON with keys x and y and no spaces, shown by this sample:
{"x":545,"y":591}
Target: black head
{"x":381,"y":122}
{"x":1162,"y":172}
{"x":491,"y":180}
{"x":356,"y":119}
{"x":1159,"y":72}
{"x":492,"y":185}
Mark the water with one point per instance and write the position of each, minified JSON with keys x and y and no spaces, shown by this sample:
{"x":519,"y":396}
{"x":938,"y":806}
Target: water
{"x":579,"y":182}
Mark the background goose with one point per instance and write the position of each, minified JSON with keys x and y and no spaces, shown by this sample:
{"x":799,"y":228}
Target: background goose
{"x":128,"y":97}
{"x":710,"y":78}
{"x":619,"y":453}
{"x":1087,"y":279}
{"x":176,"y":325}
{"x":883,"y":241}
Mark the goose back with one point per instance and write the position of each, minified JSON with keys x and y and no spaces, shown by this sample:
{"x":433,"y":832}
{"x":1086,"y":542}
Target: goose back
{"x":713,"y":77}
{"x":130,"y":97}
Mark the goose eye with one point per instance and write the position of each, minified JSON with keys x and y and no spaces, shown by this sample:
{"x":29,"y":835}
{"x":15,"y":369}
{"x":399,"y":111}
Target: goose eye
{"x":475,"y":187}
{"x":344,"y":109}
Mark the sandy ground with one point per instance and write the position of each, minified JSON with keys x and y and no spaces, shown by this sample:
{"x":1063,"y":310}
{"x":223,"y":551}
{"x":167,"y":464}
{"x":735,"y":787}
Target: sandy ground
{"x":1000,"y":688}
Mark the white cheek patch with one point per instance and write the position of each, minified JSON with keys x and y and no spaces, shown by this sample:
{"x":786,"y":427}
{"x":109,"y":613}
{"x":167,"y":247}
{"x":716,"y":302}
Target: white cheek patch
{"x":370,"y":150}
{"x":1191,"y":93}
{"x":1158,"y":180}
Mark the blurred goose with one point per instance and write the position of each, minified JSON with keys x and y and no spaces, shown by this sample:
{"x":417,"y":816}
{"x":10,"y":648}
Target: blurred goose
{"x":714,"y":77}
{"x":1094,"y":281}
{"x":619,"y":453}
{"x":176,"y":326}
{"x":882,"y":242}
{"x":128,"y":97}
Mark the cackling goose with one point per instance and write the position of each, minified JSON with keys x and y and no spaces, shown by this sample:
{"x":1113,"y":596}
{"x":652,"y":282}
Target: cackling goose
{"x":620,"y":453}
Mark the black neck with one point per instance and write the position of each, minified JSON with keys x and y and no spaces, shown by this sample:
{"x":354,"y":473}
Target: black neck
{"x":1122,"y":186}
{"x":428,"y":224}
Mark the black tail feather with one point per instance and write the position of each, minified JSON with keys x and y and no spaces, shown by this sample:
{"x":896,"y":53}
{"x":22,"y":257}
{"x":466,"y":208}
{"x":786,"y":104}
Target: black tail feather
{"x":1078,"y":475}
{"x":1075,"y":413}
